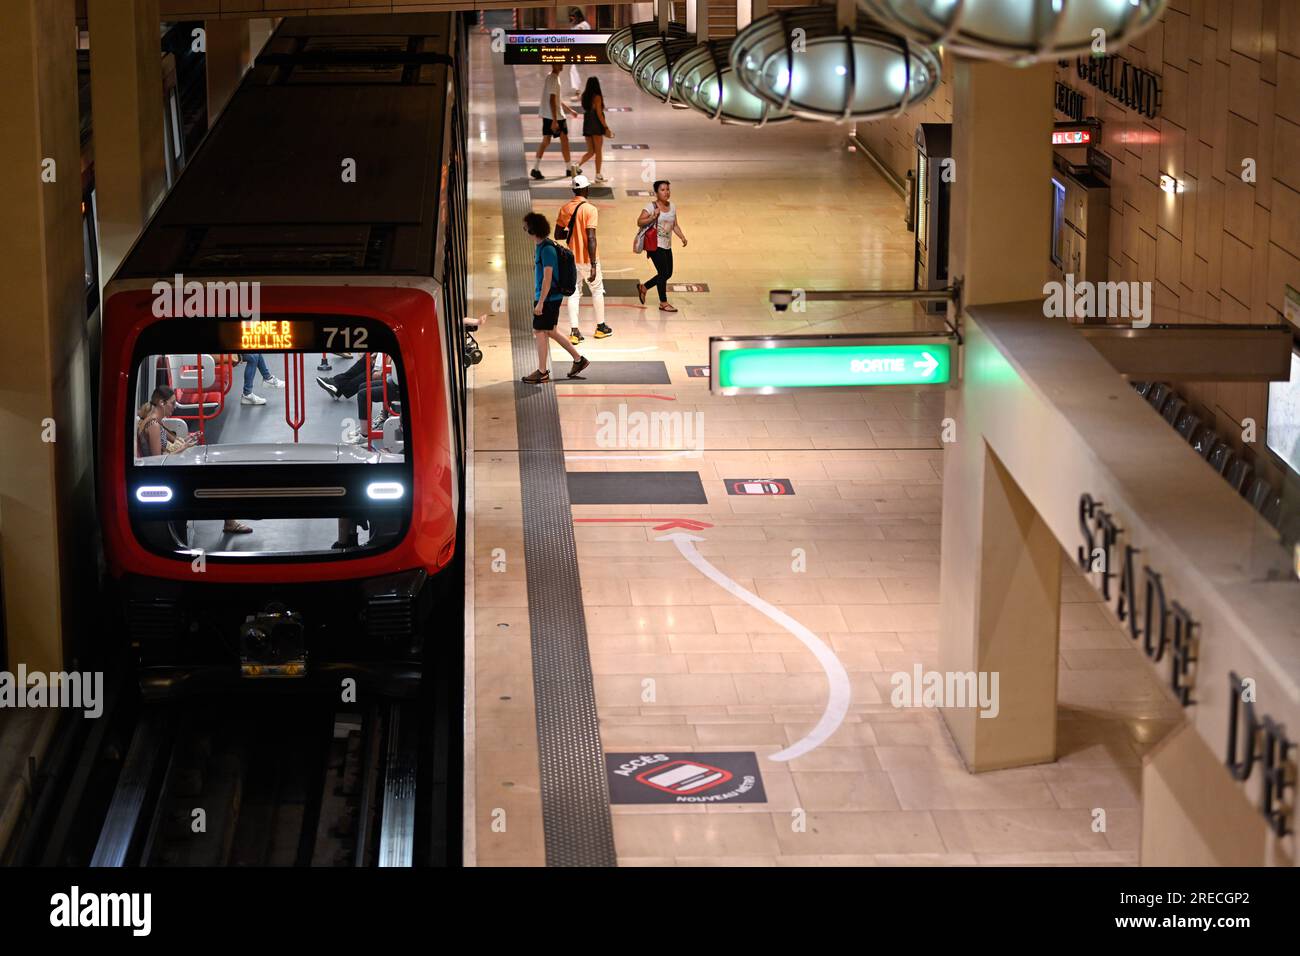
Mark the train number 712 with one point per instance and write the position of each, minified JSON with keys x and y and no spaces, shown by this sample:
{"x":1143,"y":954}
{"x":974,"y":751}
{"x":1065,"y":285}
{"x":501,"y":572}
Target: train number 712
{"x":352,"y":338}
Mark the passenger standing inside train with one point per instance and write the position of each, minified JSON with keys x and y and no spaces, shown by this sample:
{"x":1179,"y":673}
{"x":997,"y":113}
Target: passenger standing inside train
{"x":577,"y":21}
{"x":551,"y":109}
{"x":546,"y":301}
{"x":580,"y":216}
{"x":254,"y":363}
{"x":663,"y":213}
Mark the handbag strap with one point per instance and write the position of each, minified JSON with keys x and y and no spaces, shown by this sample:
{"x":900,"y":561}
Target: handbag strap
{"x":571,"y":223}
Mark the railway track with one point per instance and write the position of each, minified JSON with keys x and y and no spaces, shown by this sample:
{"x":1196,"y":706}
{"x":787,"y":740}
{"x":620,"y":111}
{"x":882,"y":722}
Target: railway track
{"x":276,"y":782}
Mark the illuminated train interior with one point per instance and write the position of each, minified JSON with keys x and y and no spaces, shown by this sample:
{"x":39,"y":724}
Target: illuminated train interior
{"x":292,"y":419}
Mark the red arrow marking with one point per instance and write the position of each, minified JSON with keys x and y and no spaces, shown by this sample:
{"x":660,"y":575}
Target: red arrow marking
{"x":660,"y":524}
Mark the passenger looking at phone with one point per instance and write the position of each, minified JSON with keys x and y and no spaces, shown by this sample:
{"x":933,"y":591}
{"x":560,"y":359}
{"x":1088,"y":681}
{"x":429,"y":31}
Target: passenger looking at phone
{"x":153,"y":438}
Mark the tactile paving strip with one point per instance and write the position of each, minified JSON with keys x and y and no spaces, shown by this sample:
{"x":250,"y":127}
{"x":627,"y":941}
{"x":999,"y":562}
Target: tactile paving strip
{"x":562,"y":194}
{"x":575,"y":797}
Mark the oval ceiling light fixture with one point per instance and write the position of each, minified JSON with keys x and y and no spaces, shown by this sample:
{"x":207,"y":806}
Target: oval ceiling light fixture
{"x":704,"y":79}
{"x":623,"y":45}
{"x":654,"y":66}
{"x":1018,"y":31}
{"x":802,"y":62}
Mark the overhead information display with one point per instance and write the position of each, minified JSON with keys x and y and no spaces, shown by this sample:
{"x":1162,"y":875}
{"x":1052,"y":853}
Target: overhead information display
{"x":763,"y":365}
{"x":581,"y":46}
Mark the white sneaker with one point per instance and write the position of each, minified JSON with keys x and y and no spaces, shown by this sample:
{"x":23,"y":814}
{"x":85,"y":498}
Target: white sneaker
{"x":273,"y":382}
{"x":354,"y":437}
{"x":251,"y":399}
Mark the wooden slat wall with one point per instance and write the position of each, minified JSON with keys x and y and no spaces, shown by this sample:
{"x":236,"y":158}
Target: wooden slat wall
{"x":722,"y":19}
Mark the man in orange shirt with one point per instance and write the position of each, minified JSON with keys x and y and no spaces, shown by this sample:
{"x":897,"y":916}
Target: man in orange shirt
{"x":579,"y":217}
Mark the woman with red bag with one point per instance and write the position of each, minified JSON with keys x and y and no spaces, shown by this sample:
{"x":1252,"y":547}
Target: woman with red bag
{"x":658,"y":242}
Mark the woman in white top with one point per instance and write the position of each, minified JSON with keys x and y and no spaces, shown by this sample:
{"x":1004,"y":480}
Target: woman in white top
{"x":663,"y":214}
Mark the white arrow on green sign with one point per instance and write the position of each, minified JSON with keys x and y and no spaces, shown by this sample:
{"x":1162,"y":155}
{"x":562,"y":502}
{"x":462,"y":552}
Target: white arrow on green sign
{"x":763,"y":365}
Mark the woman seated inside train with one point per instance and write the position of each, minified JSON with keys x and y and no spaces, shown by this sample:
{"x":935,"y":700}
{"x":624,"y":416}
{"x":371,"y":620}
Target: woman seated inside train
{"x":153,"y":438}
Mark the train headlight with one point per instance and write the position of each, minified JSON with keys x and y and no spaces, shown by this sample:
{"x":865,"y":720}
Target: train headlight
{"x":385,"y":490}
{"x":153,"y":494}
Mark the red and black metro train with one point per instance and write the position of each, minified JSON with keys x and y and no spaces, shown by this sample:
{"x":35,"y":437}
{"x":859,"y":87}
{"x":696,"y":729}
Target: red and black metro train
{"x":258,"y":523}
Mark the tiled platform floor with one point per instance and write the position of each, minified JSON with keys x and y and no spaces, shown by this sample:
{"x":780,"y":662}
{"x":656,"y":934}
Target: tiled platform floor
{"x":778,"y":207}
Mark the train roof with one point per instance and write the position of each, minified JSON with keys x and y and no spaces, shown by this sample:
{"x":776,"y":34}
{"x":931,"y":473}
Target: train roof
{"x":265,"y":193}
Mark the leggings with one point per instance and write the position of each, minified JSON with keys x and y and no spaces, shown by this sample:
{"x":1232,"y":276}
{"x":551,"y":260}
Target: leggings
{"x":663,"y":263}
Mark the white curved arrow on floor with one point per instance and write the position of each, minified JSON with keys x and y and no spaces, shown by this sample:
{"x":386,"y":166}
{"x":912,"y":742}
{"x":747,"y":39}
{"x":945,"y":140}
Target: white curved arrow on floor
{"x":837,"y":703}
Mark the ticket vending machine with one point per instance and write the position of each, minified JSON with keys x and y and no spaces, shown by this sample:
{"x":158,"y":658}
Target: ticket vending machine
{"x":931,"y":207}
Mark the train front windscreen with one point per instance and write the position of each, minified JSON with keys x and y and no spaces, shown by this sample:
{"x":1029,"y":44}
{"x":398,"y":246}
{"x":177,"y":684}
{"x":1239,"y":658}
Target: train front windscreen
{"x":267,"y":439}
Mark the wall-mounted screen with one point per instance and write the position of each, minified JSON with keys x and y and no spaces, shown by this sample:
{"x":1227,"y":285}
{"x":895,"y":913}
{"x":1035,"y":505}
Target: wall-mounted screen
{"x":580,"y":46}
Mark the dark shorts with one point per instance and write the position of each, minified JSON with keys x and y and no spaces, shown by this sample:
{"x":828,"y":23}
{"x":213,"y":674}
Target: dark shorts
{"x":550,"y":315}
{"x":546,"y":127}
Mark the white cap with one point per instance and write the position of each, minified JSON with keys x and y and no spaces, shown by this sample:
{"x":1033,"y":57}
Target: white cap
{"x":581,"y":182}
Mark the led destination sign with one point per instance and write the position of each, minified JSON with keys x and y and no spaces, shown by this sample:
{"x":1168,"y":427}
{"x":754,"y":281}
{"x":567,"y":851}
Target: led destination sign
{"x":266,"y":336}
{"x":582,"y":46}
{"x":766,"y":364}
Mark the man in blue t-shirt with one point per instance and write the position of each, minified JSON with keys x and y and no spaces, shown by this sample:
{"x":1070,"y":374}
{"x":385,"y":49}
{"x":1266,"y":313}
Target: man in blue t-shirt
{"x":546,"y":302}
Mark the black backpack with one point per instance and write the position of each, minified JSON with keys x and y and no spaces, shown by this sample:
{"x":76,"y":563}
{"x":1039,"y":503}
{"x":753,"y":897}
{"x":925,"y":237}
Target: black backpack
{"x":566,"y":276}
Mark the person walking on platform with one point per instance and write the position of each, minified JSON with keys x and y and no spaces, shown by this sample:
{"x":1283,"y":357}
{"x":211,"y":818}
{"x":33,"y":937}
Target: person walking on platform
{"x":546,"y":301}
{"x":663,"y":213}
{"x":577,"y":21}
{"x":552,"y":109}
{"x":594,"y":126}
{"x":577,"y":220}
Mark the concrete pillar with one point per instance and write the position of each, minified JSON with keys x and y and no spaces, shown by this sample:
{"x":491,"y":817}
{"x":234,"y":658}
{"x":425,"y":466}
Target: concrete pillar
{"x":1000,"y":586}
{"x":1001,"y":194}
{"x":1000,"y":571}
{"x":697,"y":19}
{"x":259,"y":31}
{"x":127,"y":99}
{"x":663,"y":12}
{"x":46,"y":486}
{"x":227,"y":58}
